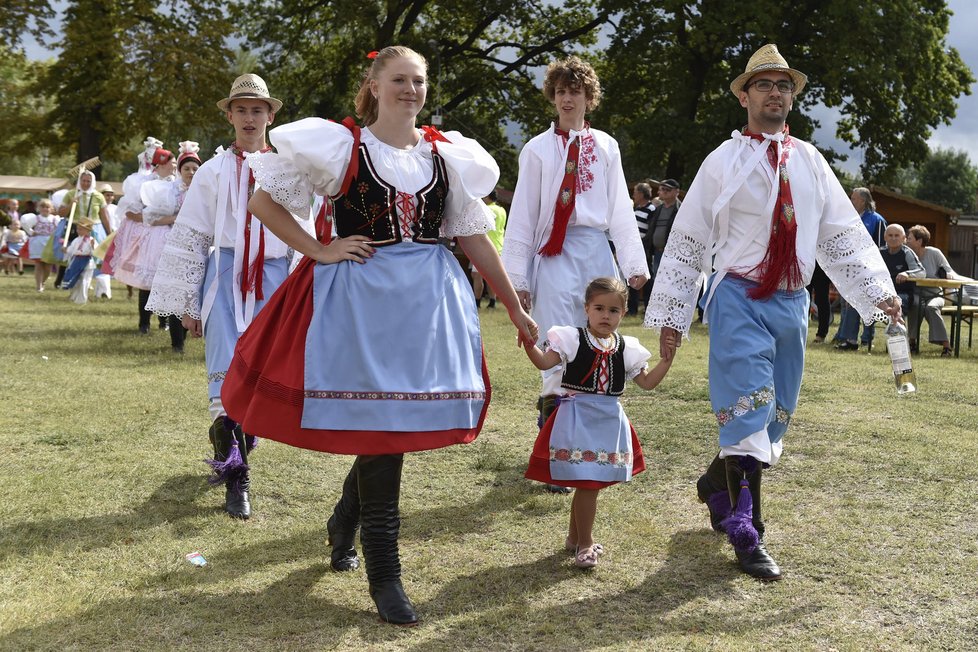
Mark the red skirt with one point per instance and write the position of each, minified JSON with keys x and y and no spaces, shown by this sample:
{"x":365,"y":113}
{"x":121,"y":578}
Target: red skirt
{"x":539,"y":468}
{"x":264,"y":386}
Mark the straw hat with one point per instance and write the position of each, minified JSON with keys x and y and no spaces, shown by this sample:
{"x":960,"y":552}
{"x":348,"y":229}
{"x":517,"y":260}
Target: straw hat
{"x":104,"y":188}
{"x":249,"y":87}
{"x":767,"y":58}
{"x":85,"y":223}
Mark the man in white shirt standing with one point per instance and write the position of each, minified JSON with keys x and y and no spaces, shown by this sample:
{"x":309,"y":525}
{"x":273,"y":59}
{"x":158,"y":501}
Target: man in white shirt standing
{"x":763,"y":207}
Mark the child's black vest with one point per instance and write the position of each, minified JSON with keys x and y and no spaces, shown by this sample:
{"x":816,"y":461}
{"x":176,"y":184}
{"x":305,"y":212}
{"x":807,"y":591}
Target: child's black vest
{"x":581,"y":375}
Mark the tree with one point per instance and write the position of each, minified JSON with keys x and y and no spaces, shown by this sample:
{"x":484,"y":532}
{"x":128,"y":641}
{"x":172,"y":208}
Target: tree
{"x":130,"y":69}
{"x":484,"y":57}
{"x":885,"y":64}
{"x":948,"y":177}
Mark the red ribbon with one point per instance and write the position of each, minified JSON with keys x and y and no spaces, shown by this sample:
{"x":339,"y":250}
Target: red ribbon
{"x":780,"y":263}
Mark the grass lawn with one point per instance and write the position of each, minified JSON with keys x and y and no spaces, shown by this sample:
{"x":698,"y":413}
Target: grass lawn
{"x":871,"y":513}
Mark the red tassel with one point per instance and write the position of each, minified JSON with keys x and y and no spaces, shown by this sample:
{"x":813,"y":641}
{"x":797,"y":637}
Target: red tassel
{"x":780,"y":263}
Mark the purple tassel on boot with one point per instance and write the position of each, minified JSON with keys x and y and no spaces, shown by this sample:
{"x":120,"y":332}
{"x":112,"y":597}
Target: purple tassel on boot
{"x":231,"y":469}
{"x":719,"y":504}
{"x":739,"y":526}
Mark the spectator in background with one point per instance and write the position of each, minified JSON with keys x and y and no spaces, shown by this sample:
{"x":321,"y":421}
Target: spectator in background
{"x":902,"y":263}
{"x":644,"y":209}
{"x":862,"y":200}
{"x":496,"y":237}
{"x":660,"y":225}
{"x":929,"y":301}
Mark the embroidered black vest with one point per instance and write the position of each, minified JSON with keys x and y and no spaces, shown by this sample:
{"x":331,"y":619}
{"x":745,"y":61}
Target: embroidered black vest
{"x":581,"y":374}
{"x":369,"y":205}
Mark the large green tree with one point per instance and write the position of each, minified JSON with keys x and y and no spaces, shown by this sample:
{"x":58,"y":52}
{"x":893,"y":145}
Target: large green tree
{"x":884,"y":64}
{"x":484,"y":57}
{"x":130,"y":69}
{"x":949,"y":178}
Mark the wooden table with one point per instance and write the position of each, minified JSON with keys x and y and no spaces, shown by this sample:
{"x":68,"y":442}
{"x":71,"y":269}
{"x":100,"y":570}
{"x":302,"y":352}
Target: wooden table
{"x":946,"y":286}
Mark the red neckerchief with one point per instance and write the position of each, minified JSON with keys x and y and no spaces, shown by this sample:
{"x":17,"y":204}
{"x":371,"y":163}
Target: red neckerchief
{"x":565,"y":197}
{"x":780,"y":263}
{"x":251,"y":275}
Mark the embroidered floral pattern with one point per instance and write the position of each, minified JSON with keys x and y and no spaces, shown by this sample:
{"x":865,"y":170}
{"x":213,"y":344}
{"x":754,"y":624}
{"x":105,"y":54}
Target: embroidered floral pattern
{"x":781,"y":415}
{"x":586,"y":158}
{"x":753,"y":401}
{"x":217,"y":376}
{"x":394,"y":396}
{"x":620,"y":459}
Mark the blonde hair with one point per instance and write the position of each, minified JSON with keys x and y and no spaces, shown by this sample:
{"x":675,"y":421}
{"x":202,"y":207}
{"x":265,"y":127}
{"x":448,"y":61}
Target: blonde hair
{"x":606,"y":285}
{"x":366,"y":103}
{"x":46,"y":202}
{"x":573,"y":72}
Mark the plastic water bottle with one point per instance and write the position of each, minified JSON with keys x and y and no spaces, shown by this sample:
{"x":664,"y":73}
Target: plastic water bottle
{"x":899,"y":349}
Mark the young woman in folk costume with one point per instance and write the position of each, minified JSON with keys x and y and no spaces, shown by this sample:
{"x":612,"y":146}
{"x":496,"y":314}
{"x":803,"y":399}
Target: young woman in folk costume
{"x":162,"y":200}
{"x":390,"y":356}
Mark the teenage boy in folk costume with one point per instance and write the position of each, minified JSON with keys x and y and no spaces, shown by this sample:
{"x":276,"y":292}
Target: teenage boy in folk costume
{"x":218,"y":294}
{"x":571,"y":190}
{"x":764,"y":207}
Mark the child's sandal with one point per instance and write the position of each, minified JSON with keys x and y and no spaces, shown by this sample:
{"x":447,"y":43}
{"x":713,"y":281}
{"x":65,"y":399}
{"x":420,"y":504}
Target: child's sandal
{"x":587,"y":558}
{"x":572,"y":547}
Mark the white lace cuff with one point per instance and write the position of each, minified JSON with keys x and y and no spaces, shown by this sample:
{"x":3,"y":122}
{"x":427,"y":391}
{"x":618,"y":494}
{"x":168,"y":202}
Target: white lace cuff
{"x":516,"y":259}
{"x":283,"y":181}
{"x":180,"y":275}
{"x":475,"y":218}
{"x":673,"y":298}
{"x":853,"y":263}
{"x":631,"y":257}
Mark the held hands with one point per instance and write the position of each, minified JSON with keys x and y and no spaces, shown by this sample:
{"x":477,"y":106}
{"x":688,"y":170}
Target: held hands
{"x":192,"y":325}
{"x":669,"y":341}
{"x":527,"y":330}
{"x":354,"y":247}
{"x":638,"y":282}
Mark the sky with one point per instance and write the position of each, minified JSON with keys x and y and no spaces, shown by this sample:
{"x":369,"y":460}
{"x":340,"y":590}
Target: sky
{"x":961,"y":134}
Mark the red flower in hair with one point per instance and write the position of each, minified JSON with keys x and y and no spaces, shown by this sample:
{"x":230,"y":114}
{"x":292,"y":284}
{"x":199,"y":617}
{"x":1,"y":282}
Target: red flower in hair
{"x":373,"y":54}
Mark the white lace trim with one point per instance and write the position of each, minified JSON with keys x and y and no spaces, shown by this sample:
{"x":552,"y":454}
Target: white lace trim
{"x":851,"y":259}
{"x":180,"y":275}
{"x":474,"y":219}
{"x":516,"y":259}
{"x":281,"y":179}
{"x":673,"y":298}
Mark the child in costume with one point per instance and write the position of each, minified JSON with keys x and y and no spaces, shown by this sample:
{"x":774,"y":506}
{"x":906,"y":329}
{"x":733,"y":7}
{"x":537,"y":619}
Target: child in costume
{"x":372,"y":346}
{"x":588,"y":442}
{"x":13,"y":240}
{"x":81,"y":265}
{"x":44,"y":225}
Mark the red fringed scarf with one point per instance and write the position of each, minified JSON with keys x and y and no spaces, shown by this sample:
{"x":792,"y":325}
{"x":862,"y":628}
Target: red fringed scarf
{"x":780,"y":265}
{"x":565,"y":198}
{"x":251,"y":275}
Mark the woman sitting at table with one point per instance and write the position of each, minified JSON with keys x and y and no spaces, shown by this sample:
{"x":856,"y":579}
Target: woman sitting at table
{"x":930,"y":300}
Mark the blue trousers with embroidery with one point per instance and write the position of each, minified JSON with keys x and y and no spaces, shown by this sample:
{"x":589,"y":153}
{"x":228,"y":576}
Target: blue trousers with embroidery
{"x":757,"y":355}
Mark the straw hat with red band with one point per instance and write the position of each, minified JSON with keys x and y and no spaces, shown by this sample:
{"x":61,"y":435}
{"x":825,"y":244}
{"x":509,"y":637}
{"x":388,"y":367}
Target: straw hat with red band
{"x":249,"y":87}
{"x":768,"y":59}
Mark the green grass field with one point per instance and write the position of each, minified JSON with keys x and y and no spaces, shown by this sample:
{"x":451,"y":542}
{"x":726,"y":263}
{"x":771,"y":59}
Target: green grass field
{"x":871,"y":513}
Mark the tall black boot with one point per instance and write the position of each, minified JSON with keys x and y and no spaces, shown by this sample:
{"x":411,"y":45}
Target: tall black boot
{"x":342,"y":526}
{"x":755,"y":561}
{"x":712,"y":490}
{"x":144,"y":315}
{"x":230,"y":465}
{"x":546,"y":406}
{"x":379,"y":483}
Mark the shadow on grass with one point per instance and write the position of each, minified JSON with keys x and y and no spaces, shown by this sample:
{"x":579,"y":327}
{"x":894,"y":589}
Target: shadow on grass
{"x":172,"y":502}
{"x":697,"y":566}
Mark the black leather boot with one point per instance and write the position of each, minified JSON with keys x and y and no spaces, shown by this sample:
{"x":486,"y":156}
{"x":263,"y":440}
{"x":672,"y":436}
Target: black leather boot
{"x":230,"y":465}
{"x":756,"y":562}
{"x":712,"y":490}
{"x":379,"y":484}
{"x":341,"y":528}
{"x":546,"y":406}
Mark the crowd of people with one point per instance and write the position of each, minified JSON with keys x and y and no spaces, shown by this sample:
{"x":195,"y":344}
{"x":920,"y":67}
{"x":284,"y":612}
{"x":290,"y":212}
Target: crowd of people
{"x":321,"y":239}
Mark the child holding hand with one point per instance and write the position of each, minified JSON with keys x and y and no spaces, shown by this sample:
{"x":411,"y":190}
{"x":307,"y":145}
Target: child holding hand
{"x":588,"y":442}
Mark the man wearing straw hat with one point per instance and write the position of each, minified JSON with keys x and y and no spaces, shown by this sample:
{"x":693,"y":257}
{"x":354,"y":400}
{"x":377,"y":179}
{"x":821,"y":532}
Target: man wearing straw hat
{"x":763,"y":208}
{"x":218,"y":294}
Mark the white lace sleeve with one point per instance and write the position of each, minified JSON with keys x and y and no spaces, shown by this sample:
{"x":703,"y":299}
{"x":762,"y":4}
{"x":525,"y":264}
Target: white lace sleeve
{"x":180,"y":275}
{"x":853,"y":263}
{"x":281,"y":179}
{"x":516,"y":259}
{"x":475,"y":218}
{"x":673,"y":297}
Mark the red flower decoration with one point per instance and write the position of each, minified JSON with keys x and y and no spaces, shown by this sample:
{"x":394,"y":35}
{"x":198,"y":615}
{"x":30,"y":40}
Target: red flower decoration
{"x":589,"y":456}
{"x":372,"y":55}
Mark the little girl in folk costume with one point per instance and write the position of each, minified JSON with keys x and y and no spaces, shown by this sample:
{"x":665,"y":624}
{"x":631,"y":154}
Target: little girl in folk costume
{"x":588,"y":442}
{"x":81,"y":265}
